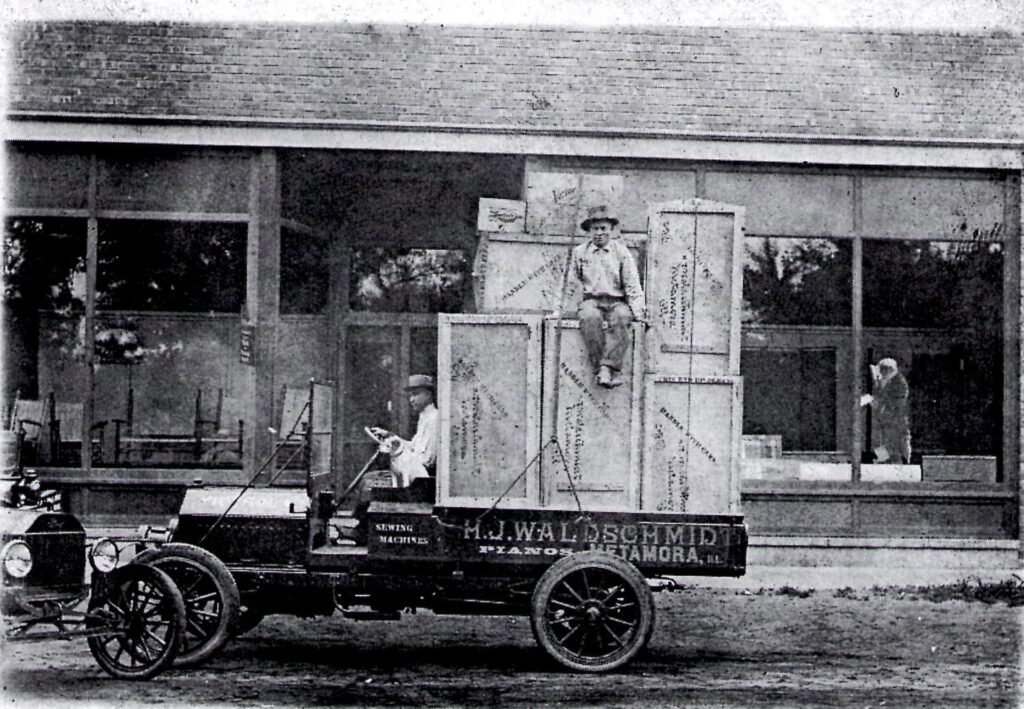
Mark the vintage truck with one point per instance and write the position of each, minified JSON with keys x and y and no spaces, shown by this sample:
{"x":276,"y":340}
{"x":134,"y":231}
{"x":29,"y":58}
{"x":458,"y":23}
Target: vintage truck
{"x":554,"y":499}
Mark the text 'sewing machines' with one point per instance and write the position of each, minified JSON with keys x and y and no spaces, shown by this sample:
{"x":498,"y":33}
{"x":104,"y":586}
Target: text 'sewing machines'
{"x":555,"y":498}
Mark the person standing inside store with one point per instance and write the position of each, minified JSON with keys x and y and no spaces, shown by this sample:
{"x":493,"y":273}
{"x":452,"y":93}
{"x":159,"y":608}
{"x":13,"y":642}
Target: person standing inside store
{"x":612,"y":295}
{"x":889,"y":402}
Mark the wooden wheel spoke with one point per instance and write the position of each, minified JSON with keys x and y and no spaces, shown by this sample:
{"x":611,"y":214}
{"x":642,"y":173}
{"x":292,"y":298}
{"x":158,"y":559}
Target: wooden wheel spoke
{"x":156,"y":638}
{"x":197,"y":600}
{"x":610,"y":593}
{"x":203,"y":614}
{"x":568,"y":587}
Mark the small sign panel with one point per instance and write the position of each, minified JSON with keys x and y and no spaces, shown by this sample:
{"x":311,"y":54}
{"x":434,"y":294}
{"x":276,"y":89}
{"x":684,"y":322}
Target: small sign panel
{"x":247,"y":344}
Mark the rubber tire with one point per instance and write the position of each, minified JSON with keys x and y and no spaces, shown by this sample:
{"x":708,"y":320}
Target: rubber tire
{"x":171,"y":608}
{"x":594,"y":566}
{"x":173,"y":558}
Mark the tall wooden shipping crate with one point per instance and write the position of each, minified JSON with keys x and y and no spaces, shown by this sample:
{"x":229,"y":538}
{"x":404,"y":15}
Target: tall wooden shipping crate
{"x":515,"y":273}
{"x":694,"y":288}
{"x":692,"y":429}
{"x":598,"y":429}
{"x":489,"y":369}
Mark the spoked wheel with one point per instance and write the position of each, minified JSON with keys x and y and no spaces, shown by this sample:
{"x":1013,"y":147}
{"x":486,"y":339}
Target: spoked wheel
{"x":145,"y":614}
{"x":210,"y":593}
{"x":592,"y":612}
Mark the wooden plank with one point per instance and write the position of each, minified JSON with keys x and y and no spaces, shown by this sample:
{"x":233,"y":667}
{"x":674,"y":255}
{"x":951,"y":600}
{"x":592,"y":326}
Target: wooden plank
{"x":691,"y":444}
{"x":524,"y":273}
{"x":694,"y":286}
{"x":598,"y":430}
{"x":488,"y":374}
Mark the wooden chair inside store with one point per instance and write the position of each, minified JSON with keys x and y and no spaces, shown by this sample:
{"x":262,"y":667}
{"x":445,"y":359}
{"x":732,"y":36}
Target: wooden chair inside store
{"x":67,"y":431}
{"x":294,"y":426}
{"x":219,"y":430}
{"x":24,"y":424}
{"x":135,"y":446}
{"x":50,"y":432}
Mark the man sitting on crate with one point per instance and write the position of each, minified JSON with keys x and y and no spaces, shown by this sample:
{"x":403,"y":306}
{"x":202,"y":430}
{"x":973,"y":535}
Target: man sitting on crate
{"x":611,"y":294}
{"x":416,"y":458}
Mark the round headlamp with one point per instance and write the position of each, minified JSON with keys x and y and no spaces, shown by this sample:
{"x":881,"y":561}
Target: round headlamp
{"x":104,"y":555}
{"x":17,"y":558}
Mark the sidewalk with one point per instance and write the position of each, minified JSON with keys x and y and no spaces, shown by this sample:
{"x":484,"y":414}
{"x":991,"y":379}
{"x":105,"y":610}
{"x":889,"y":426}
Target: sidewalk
{"x":858,"y":577}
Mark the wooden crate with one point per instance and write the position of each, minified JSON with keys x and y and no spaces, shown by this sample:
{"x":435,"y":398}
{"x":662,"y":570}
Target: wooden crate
{"x":695,"y":288}
{"x":598,"y":429}
{"x":524,"y":273}
{"x":556,"y":202}
{"x":691,"y":444}
{"x":501,"y":215}
{"x":959,"y":468}
{"x":489,"y":399}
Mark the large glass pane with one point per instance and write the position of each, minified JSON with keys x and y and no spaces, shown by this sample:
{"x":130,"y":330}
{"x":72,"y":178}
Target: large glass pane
{"x":797,"y":313}
{"x":934,"y":309}
{"x":797,"y":281}
{"x":171,"y":266}
{"x":305,"y":273}
{"x":168,"y":377}
{"x":44,"y":344}
{"x":408,"y":280}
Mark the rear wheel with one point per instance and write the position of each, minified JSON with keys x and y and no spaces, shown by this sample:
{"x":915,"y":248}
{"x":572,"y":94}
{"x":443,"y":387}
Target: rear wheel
{"x":592,"y":612}
{"x":210,"y":593}
{"x":144,"y":613}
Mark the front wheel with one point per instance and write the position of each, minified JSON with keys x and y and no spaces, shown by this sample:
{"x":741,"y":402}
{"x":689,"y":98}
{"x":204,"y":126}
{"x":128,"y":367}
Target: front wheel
{"x":210,"y":593}
{"x":592,"y":612}
{"x":140,"y":621}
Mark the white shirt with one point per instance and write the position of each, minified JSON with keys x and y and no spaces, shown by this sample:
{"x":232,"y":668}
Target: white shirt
{"x":413,"y":457}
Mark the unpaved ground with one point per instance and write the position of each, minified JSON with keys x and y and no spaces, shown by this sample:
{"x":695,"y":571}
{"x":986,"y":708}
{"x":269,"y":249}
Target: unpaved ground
{"x":713,"y":648}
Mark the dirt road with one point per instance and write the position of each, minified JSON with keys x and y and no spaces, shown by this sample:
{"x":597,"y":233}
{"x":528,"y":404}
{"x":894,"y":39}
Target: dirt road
{"x":712,"y":648}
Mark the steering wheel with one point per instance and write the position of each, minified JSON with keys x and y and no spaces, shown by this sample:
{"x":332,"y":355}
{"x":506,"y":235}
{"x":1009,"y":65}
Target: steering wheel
{"x":377,"y":435}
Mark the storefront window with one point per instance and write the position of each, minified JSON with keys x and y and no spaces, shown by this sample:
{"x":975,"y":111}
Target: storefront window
{"x":797,"y":313}
{"x":171,"y":266}
{"x":44,"y":342}
{"x":408,"y":280}
{"x":934,"y":310}
{"x":931,"y":346}
{"x":796,"y":281}
{"x":168,"y":377}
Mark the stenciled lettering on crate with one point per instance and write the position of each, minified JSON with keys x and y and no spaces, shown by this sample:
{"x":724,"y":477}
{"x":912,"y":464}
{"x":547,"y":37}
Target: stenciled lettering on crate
{"x":598,"y":429}
{"x":692,"y":429}
{"x":488,"y":381}
{"x":526,"y":272}
{"x":501,"y":215}
{"x":556,"y":202}
{"x":694,"y":284}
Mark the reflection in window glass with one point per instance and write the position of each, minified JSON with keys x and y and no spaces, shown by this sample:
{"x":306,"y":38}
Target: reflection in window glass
{"x":44,"y":270}
{"x":43,"y":342}
{"x":305,"y":276}
{"x":954,"y":374}
{"x":171,"y":266}
{"x":797,"y":281}
{"x":933,"y":284}
{"x":407,"y":280}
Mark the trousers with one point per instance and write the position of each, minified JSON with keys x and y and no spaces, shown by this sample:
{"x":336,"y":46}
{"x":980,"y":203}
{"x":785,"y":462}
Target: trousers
{"x":605,"y":347}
